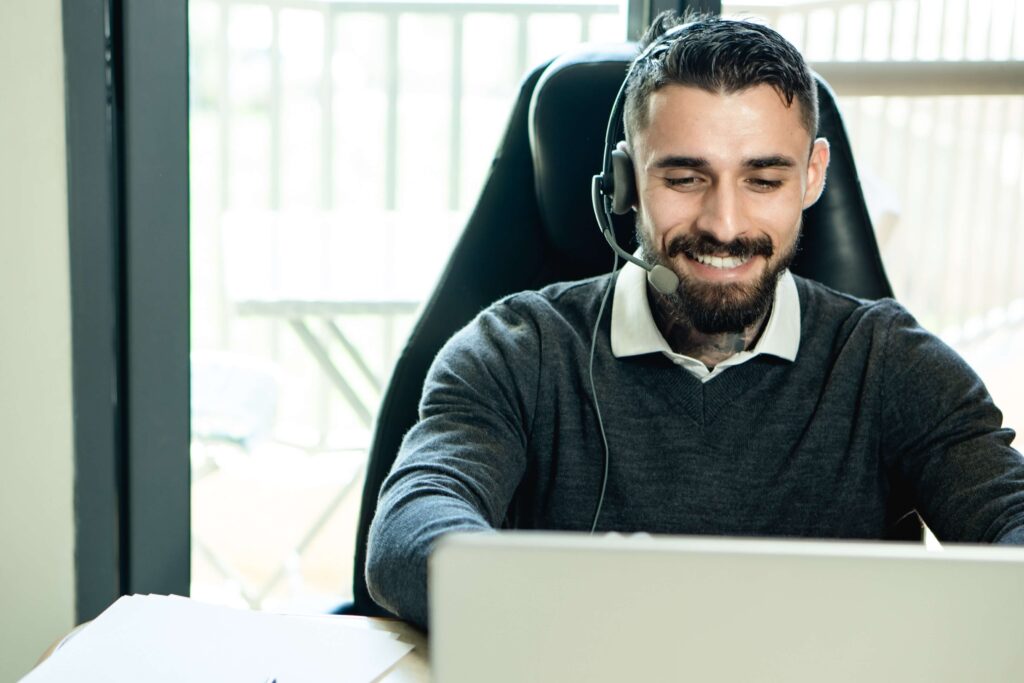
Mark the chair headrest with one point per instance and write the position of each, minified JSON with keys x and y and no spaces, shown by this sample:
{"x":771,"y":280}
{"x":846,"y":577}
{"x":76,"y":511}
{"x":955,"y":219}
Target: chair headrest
{"x":568,"y":117}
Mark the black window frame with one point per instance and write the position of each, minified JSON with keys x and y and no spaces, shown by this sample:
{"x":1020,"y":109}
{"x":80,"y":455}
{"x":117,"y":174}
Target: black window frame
{"x":126,"y":85}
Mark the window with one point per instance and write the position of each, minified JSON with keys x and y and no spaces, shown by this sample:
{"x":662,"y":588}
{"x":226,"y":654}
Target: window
{"x":336,"y":149}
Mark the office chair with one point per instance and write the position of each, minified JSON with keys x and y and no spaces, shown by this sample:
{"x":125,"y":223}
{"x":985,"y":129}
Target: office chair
{"x":533,"y":225}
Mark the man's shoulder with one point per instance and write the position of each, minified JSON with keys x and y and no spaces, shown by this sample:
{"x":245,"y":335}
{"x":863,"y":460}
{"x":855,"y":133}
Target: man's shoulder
{"x":835,"y":320}
{"x":524,"y":319}
{"x":820,"y":303}
{"x":567,"y":301}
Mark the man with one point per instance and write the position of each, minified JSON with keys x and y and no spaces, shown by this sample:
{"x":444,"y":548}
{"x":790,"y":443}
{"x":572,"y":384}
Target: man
{"x":745,"y":401}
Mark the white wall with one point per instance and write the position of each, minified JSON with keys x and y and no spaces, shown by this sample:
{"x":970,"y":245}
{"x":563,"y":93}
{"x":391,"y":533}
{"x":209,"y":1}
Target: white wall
{"x":36,"y":465}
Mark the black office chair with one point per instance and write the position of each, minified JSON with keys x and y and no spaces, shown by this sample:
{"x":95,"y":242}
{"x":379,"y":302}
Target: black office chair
{"x":533,"y":225}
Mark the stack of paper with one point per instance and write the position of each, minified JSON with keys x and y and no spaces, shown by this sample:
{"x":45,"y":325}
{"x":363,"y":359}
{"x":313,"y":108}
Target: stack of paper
{"x":169,"y":638}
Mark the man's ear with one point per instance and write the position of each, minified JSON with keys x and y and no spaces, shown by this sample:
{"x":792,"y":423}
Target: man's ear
{"x":817,"y":168}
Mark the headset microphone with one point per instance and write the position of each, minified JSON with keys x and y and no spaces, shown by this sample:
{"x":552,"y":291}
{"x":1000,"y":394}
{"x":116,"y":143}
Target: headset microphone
{"x":614,"y":191}
{"x":660,"y":277}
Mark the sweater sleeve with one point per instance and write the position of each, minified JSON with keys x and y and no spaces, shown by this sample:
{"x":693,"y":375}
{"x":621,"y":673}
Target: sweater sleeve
{"x":948,"y":440}
{"x":459,"y":466}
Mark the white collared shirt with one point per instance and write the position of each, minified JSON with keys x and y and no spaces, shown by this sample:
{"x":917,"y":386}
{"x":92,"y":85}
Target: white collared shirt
{"x":634,"y":331}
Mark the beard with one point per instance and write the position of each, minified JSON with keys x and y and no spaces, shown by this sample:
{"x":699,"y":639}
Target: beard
{"x":718,"y":308}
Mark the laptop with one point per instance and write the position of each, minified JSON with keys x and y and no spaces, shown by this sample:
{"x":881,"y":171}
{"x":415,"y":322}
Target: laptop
{"x":542,"y":606}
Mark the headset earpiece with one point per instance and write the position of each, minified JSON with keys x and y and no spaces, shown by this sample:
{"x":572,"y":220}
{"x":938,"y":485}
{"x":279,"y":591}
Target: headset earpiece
{"x":623,"y":181}
{"x":614,"y":191}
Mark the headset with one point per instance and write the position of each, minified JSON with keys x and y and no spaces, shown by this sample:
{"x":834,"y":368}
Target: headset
{"x":613,"y":191}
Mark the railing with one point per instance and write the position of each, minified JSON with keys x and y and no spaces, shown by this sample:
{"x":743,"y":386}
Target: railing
{"x":327,"y":23}
{"x":895,"y":30}
{"x":326,"y":108}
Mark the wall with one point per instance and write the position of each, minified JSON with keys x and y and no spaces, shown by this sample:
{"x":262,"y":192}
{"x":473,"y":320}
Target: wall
{"x":36,"y":515}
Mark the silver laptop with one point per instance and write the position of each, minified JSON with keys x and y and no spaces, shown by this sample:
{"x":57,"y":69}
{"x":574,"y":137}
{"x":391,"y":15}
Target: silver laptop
{"x":528,"y":607}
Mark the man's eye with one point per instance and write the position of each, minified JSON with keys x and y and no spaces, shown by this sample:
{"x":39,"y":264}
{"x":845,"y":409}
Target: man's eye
{"x":688,"y":181}
{"x":764,"y":184}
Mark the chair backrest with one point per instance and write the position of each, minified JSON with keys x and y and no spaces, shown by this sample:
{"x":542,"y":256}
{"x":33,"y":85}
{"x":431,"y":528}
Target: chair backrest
{"x":533,"y":225}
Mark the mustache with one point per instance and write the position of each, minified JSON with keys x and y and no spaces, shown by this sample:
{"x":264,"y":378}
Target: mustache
{"x":706,"y":243}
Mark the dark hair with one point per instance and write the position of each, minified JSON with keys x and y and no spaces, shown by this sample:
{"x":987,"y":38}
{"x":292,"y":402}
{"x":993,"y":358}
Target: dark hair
{"x":717,"y":55}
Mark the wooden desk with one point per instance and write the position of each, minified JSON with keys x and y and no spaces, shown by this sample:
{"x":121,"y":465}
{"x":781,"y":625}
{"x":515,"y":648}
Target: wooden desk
{"x":412,"y":668}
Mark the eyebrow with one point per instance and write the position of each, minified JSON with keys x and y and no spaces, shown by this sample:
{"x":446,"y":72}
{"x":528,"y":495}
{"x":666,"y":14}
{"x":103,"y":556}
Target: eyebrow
{"x":673,"y":161}
{"x":774,"y":161}
{"x":700,"y":163}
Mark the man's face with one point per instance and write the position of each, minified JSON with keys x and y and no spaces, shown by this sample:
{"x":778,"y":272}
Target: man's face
{"x":722,"y":181}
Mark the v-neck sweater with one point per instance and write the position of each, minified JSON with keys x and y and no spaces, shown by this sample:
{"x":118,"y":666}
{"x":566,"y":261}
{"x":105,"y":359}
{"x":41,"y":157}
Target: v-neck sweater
{"x":875,"y":417}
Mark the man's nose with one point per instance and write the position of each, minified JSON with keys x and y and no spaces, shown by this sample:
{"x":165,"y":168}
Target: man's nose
{"x":720,"y":213}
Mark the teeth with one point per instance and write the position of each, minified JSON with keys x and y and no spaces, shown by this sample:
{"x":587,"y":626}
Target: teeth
{"x":719,"y":262}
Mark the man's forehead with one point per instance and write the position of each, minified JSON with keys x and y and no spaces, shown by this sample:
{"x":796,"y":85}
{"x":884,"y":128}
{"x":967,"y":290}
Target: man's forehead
{"x":758,"y":114}
{"x":669,"y":99}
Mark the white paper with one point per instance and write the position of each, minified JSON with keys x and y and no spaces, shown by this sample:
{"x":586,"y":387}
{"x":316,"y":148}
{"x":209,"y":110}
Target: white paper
{"x":161,"y":638}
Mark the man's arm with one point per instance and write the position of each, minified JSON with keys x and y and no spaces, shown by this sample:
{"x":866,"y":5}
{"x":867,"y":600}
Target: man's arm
{"x":459,"y":466}
{"x":948,"y":437}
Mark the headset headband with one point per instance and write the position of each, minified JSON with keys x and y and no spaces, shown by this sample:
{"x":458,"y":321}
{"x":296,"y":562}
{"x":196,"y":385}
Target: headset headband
{"x":613,"y":191}
{"x":615,"y":118}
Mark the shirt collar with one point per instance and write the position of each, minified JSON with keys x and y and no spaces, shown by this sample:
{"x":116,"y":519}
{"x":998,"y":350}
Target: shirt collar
{"x":634,"y":331}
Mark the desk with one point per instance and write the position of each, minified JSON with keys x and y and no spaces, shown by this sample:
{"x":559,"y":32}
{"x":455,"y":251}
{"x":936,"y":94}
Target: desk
{"x":297,"y":313}
{"x":412,"y":668}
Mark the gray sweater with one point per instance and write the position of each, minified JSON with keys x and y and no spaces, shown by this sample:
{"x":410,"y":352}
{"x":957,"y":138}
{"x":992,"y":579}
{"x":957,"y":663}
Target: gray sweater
{"x":874,"y":414}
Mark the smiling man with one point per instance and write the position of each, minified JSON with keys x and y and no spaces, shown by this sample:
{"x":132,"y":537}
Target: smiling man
{"x":741,"y":401}
{"x":727,"y":159}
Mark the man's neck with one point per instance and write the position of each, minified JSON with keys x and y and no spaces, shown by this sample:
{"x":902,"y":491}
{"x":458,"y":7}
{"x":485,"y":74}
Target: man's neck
{"x":709,"y":349}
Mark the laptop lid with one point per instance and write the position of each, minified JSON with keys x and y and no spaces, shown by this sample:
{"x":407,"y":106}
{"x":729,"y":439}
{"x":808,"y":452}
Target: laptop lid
{"x":535,"y":606}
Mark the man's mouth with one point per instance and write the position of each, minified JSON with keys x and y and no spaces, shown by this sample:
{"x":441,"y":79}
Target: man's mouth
{"x":721,"y":262}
